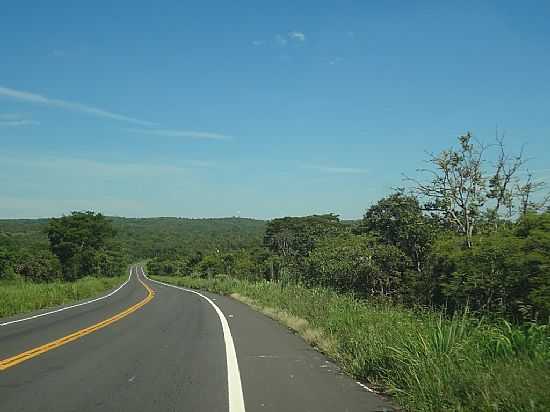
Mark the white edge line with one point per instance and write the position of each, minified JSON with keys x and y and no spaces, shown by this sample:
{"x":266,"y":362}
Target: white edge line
{"x":69,"y":307}
{"x":364,"y":386}
{"x":234,"y":386}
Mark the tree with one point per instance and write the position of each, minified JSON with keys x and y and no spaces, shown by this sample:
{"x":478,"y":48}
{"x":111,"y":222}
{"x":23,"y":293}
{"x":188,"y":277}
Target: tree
{"x":293,"y":238}
{"x":37,"y":266}
{"x":398,"y":220}
{"x":6,"y":267}
{"x":486,"y":277}
{"x":211,"y":265}
{"x":525,"y":192}
{"x":462,"y":190}
{"x":76,"y":240}
{"x":357,"y":263}
{"x":505,"y":272}
{"x":296,"y":236}
{"x":534,"y":228}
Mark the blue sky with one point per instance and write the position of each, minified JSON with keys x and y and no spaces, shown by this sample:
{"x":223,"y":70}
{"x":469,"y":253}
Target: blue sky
{"x":202,"y":109}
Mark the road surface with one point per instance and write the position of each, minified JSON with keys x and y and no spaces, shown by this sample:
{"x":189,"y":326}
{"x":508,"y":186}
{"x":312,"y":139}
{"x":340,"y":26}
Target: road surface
{"x":151,"y":347}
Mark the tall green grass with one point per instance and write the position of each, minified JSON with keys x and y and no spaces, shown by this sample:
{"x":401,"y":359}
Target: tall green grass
{"x":20,"y":296}
{"x":425,"y":361}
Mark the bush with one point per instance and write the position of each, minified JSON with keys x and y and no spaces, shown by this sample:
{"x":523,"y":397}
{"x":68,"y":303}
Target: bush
{"x":504,"y":273}
{"x":358,"y":264}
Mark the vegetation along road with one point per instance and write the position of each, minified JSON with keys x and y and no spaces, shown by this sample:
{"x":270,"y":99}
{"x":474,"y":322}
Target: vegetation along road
{"x":152,"y":346}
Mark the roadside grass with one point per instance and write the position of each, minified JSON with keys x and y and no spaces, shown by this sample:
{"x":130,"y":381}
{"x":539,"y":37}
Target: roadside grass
{"x":424,"y":361}
{"x":19,"y":296}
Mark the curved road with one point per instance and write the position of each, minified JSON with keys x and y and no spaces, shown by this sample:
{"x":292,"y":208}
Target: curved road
{"x":151,"y":347}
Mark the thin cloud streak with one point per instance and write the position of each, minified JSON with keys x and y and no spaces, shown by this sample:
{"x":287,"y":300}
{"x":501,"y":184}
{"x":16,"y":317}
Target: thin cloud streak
{"x":18,"y":123}
{"x":39,"y":99}
{"x":10,"y":116}
{"x":181,"y":133}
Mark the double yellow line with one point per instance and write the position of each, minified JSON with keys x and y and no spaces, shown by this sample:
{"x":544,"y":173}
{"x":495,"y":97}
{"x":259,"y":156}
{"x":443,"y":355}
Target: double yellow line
{"x":29,"y":354}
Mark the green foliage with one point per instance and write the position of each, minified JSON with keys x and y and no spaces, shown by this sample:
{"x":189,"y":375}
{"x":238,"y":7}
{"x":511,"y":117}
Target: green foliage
{"x":243,"y":264}
{"x":170,"y":266}
{"x":398,"y":220}
{"x":171,"y":237}
{"x":249,"y":264}
{"x":535,"y":230}
{"x":166,"y":239}
{"x":212,"y":265}
{"x":359,"y":264}
{"x":6,"y":265}
{"x":505,"y":272}
{"x":296,"y":236}
{"x":397,"y":253}
{"x":81,"y":242}
{"x":39,"y":265}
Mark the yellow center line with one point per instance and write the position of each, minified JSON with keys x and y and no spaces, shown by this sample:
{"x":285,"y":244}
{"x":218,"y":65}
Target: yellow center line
{"x":31,"y":353}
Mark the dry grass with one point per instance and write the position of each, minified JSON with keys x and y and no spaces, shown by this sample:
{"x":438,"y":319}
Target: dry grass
{"x":313,"y":336}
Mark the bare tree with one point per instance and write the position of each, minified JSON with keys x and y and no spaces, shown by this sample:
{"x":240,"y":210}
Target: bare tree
{"x":464,"y":192}
{"x":525,"y":193}
{"x":504,"y":182}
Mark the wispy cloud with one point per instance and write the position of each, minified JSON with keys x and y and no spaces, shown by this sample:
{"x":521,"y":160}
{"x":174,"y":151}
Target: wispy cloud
{"x":335,"y":60}
{"x":15,"y":120}
{"x":350,"y":34}
{"x":297,"y":35}
{"x":336,"y":170}
{"x":257,"y":43}
{"x":280,"y":40}
{"x":181,"y":133}
{"x":63,"y":104}
{"x":10,"y":116}
{"x":18,"y":123}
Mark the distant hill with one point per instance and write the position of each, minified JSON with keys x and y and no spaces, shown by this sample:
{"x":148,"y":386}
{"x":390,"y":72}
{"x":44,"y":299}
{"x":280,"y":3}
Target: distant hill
{"x":154,"y":236}
{"x":148,"y":237}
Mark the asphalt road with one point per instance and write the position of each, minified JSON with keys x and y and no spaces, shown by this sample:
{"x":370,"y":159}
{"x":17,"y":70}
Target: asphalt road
{"x":151,"y":347}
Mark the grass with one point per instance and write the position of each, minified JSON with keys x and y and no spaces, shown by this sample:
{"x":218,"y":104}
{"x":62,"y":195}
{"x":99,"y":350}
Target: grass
{"x":19,"y":296}
{"x":424,"y":361}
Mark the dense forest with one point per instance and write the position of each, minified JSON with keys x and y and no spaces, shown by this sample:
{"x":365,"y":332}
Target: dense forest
{"x":471,"y":232}
{"x":27,"y":252}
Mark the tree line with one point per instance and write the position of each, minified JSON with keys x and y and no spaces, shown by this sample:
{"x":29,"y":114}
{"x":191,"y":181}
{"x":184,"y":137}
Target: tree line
{"x":472,"y":231}
{"x":41,"y":250}
{"x":80,"y":244}
{"x":474,"y":235}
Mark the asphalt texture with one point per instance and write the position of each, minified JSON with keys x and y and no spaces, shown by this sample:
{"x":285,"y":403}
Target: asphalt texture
{"x":169,"y":355}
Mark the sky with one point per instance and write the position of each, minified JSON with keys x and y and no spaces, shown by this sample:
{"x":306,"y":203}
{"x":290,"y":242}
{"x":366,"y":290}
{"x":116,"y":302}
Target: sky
{"x":213,"y":109}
